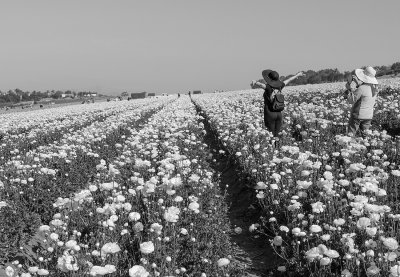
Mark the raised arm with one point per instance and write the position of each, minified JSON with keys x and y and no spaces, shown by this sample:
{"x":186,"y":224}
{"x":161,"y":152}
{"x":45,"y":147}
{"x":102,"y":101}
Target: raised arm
{"x":299,"y":74}
{"x":253,"y":83}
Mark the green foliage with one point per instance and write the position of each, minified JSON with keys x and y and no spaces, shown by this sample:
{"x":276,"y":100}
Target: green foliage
{"x":17,"y":95}
{"x":333,"y":75}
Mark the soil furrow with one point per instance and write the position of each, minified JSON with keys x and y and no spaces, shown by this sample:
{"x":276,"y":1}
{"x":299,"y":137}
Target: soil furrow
{"x":253,"y":251}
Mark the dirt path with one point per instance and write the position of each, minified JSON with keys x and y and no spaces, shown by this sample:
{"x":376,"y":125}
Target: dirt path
{"x":253,"y":252}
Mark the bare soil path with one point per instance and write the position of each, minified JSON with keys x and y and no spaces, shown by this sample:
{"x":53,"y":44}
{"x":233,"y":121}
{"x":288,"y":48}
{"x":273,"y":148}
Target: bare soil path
{"x":252,"y":251}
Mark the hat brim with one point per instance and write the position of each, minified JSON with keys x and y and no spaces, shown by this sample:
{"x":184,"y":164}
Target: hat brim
{"x":274,"y":84}
{"x":366,"y":79}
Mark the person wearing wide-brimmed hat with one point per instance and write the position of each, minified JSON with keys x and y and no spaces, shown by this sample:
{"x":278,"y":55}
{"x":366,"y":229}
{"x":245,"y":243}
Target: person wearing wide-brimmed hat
{"x":273,"y":120}
{"x":362,"y":99}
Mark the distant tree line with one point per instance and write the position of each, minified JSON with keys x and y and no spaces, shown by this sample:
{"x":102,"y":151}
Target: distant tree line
{"x":333,"y":75}
{"x":18,"y":95}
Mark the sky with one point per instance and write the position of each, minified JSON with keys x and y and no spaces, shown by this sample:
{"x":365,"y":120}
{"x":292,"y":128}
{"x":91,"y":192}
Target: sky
{"x":177,"y":46}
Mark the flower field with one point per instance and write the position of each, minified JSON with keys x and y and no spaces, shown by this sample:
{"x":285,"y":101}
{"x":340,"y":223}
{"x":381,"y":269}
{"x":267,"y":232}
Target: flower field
{"x":130,"y":188}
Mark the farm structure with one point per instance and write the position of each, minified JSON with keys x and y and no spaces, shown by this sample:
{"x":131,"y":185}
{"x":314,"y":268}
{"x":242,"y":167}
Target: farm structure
{"x":139,"y":95}
{"x":151,"y":94}
{"x":197,"y":92}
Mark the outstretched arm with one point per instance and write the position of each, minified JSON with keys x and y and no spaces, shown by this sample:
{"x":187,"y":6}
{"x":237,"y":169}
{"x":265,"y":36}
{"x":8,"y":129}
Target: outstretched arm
{"x":253,"y":83}
{"x":299,"y":74}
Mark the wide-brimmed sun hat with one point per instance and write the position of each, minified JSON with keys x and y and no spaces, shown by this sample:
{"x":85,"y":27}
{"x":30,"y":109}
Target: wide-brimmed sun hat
{"x":367,"y":75}
{"x":271,"y":77}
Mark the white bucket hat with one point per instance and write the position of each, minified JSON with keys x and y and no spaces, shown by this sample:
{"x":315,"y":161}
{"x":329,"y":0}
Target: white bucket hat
{"x":367,"y":75}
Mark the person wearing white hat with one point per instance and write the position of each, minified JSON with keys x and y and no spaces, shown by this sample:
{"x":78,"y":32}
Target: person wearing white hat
{"x":362,"y":99}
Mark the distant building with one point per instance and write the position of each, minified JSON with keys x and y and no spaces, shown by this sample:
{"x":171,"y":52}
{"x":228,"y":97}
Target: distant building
{"x":89,"y":94}
{"x":197,"y":92}
{"x":139,"y":95}
{"x":65,"y":95}
{"x":151,"y":94}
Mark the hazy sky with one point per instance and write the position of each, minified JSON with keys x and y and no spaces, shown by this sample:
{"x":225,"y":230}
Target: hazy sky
{"x":176,"y":46}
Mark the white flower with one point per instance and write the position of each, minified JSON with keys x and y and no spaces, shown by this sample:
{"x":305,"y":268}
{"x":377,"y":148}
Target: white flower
{"x":391,"y":256}
{"x":110,"y":248}
{"x":326,"y":237}
{"x":67,"y":263}
{"x":363,"y":223}
{"x":171,"y":214}
{"x":57,"y":222}
{"x":328,"y":175}
{"x":315,"y":228}
{"x":10,"y":271}
{"x":284,"y":229}
{"x":346,"y":273}
{"x":184,"y":231}
{"x":296,"y":231}
{"x":277,"y":241}
{"x":138,"y":271}
{"x":390,"y":243}
{"x":281,"y":268}
{"x":194,"y":206}
{"x":396,"y":173}
{"x":108,"y":186}
{"x":303,"y":184}
{"x":339,"y":221}
{"x":147,"y":247}
{"x":325,"y":261}
{"x":71,"y":244}
{"x":42,"y":272}
{"x":253,"y":227}
{"x":314,"y":253}
{"x":274,"y":186}
{"x":331,"y":253}
{"x":318,"y":207}
{"x":33,"y":269}
{"x":260,"y":185}
{"x":178,"y":199}
{"x":395,"y":271}
{"x":100,"y":270}
{"x":92,"y":188}
{"x":343,"y":183}
{"x":371,"y":231}
{"x":260,"y":195}
{"x":134,"y":216}
{"x":238,"y":230}
{"x":156,"y":227}
{"x":54,"y":236}
{"x":223,"y":262}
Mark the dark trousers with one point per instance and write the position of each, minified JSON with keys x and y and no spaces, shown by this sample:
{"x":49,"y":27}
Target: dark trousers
{"x":355,"y":124}
{"x":273,"y":121}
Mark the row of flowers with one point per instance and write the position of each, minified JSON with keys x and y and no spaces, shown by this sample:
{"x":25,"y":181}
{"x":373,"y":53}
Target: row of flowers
{"x":20,"y":134}
{"x":154,"y":210}
{"x":29,"y":184}
{"x":328,"y":201}
{"x":23,"y":122}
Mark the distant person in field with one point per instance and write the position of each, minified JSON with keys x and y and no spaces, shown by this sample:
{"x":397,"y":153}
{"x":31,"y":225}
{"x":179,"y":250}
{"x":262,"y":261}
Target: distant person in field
{"x":361,"y":91}
{"x":274,"y":99}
